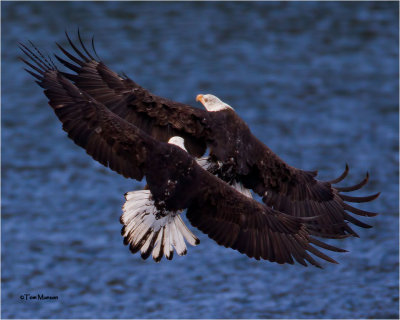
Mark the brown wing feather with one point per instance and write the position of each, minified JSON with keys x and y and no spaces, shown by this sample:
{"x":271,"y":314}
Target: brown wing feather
{"x":105,"y":136}
{"x":251,"y":228}
{"x":299,"y":193}
{"x":161,"y":118}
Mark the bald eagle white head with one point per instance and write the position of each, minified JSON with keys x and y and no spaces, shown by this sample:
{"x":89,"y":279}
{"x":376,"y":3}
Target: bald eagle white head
{"x":178,"y":141}
{"x":212,"y":103}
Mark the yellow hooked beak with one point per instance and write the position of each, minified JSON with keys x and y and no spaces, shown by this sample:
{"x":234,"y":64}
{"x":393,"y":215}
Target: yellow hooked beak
{"x":200,"y":98}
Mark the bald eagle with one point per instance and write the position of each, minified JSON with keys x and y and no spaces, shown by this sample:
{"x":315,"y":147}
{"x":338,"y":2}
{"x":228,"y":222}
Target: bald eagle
{"x":236,"y":153}
{"x":127,"y":128}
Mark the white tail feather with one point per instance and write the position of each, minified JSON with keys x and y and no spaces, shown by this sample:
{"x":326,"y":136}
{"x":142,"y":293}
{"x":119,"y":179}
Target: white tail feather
{"x":142,"y":231}
{"x":187,"y":234}
{"x":168,"y":251}
{"x":157,"y":251}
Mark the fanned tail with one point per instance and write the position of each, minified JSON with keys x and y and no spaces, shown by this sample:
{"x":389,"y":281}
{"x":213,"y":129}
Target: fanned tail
{"x":146,"y":233}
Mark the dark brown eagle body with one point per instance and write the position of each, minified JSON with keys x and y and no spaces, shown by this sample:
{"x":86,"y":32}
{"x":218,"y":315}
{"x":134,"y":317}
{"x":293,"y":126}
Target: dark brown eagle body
{"x":125,"y":127}
{"x":170,"y":174}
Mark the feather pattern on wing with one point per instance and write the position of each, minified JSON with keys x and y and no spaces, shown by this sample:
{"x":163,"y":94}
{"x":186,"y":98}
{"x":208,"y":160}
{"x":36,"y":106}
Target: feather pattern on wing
{"x":159,"y":117}
{"x":299,"y":193}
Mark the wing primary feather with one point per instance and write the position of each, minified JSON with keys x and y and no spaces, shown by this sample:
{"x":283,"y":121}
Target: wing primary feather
{"x":68,"y":64}
{"x":34,"y":57}
{"x":341,"y":177}
{"x":334,"y":236}
{"x":39,"y":68}
{"x":52,"y":62}
{"x":359,"y":199}
{"x":94,"y":48}
{"x":276,"y":248}
{"x":70,"y":76}
{"x":312,"y":260}
{"x":356,"y":222}
{"x":285,"y":248}
{"x":319,"y":254}
{"x":325,"y":245}
{"x":34,"y":74}
{"x":355,"y":187}
{"x":257,"y":243}
{"x":358,"y":211}
{"x":328,"y":231}
{"x":270,"y":252}
{"x":83,"y":46}
{"x":44,"y":59}
{"x":76,"y":49}
{"x":296,"y":253}
{"x":32,"y":66}
{"x":70,"y":56}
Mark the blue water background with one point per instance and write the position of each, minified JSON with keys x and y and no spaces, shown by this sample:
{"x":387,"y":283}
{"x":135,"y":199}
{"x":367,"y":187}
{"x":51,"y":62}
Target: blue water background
{"x":317,"y":82}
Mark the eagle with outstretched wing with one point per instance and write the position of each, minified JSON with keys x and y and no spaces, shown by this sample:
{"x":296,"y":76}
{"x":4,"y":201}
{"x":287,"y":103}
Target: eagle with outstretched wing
{"x":240,"y":156}
{"x":126,"y":128}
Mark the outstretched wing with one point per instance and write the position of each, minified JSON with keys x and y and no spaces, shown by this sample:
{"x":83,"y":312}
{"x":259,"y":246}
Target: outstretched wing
{"x":159,"y":117}
{"x":299,"y":193}
{"x":226,"y":215}
{"x":241,"y":223}
{"x":105,"y":136}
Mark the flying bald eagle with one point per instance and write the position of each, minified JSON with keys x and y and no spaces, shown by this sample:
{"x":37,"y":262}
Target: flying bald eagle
{"x":236,"y":155}
{"x":98,"y":108}
{"x":151,"y":218}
